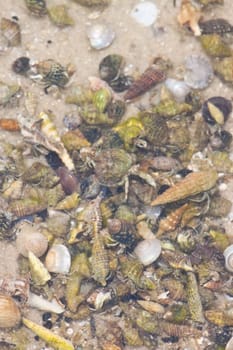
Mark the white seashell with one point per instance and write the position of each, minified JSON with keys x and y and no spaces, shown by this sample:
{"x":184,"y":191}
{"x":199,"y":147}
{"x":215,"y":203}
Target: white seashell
{"x":199,"y":72}
{"x":229,"y":345}
{"x":58,"y":259}
{"x":42,"y":304}
{"x":148,"y":251}
{"x":178,"y":88}
{"x":30,"y":239}
{"x":228,"y":255}
{"x":100,"y":35}
{"x":145,"y":13}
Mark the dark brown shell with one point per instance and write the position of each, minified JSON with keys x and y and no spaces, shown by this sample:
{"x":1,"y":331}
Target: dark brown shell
{"x":223,"y":106}
{"x":110,"y":67}
{"x":218,"y":26}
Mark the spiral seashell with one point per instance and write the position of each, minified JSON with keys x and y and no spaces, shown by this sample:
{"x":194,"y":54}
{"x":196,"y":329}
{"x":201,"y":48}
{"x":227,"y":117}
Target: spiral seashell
{"x":58,"y":259}
{"x":100,"y":36}
{"x":148,"y":251}
{"x":228,"y":255}
{"x":9,"y":312}
{"x":30,"y":239}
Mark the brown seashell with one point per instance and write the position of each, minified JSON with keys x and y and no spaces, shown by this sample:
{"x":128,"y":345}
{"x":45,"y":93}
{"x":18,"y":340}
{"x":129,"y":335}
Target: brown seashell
{"x":192,"y":184}
{"x":152,"y":76}
{"x":189,"y":15}
{"x":171,"y":221}
{"x":9,"y":124}
{"x":9,"y":312}
{"x":11,"y":31}
{"x":67,"y":180}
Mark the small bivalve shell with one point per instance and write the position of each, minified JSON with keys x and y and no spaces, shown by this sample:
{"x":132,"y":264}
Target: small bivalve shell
{"x":30,"y":239}
{"x":148,"y":251}
{"x":100,"y":35}
{"x":228,"y":255}
{"x":145,"y":13}
{"x":199,"y":72}
{"x":178,"y":88}
{"x":216,"y":110}
{"x":58,"y":259}
{"x":10,"y":315}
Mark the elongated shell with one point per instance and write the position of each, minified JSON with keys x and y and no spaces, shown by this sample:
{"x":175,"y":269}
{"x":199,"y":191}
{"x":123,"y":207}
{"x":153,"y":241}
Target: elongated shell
{"x":58,"y":259}
{"x":217,"y":25}
{"x":56,"y":341}
{"x":39,"y":273}
{"x":9,"y":312}
{"x":30,"y":239}
{"x":191,"y":185}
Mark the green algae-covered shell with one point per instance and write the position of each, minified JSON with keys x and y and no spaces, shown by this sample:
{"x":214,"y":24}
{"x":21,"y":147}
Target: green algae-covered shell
{"x":155,"y":128}
{"x":224,"y":69}
{"x":90,"y":3}
{"x":170,"y":108}
{"x":214,"y":46}
{"x":36,"y":7}
{"x":59,"y":16}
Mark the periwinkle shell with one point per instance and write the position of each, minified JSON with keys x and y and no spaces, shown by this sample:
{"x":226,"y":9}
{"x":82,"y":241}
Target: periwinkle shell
{"x":216,"y":110}
{"x":199,"y":72}
{"x":100,"y":35}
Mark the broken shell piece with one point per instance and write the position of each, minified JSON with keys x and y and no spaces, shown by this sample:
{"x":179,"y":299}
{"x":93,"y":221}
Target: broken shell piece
{"x":42,"y":304}
{"x":58,"y":259}
{"x":100,"y":35}
{"x":189,"y":15}
{"x":148,"y":251}
{"x":178,"y":88}
{"x":145,"y":13}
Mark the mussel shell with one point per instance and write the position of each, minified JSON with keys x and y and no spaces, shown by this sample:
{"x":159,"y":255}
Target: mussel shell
{"x":110,"y":67}
{"x":21,"y":65}
{"x":222,"y":104}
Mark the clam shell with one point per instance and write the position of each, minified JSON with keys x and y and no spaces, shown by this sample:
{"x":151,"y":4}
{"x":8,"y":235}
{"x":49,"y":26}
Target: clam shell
{"x":58,"y":259}
{"x":148,"y":251}
{"x":9,"y":312}
{"x":199,"y":72}
{"x":100,"y":35}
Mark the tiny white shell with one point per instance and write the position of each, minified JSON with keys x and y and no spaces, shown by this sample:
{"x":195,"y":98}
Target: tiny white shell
{"x":228,"y":255}
{"x":58,"y":259}
{"x":30,"y":239}
{"x":178,"y":88}
{"x":145,"y":13}
{"x":199,"y":71}
{"x":148,"y":251}
{"x":229,"y":345}
{"x":100,"y":35}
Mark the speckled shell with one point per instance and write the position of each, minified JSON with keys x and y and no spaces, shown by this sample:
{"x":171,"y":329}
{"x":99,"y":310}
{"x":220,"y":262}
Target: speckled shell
{"x":224,"y":69}
{"x":36,"y":7}
{"x":214,"y":46}
{"x":10,"y":315}
{"x":217,"y":25}
{"x":112,"y":165}
{"x":11,"y":31}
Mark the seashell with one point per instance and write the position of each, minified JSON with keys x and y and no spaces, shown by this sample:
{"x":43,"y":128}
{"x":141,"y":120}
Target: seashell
{"x":171,"y":221}
{"x":68,"y":203}
{"x":186,"y":241}
{"x":27,"y":206}
{"x":101,"y":99}
{"x":116,"y":109}
{"x":10,"y":315}
{"x":21,"y":65}
{"x":74,"y":140}
{"x":145,"y":13}
{"x":54,"y":340}
{"x":100,"y":35}
{"x":161,"y":163}
{"x":122,"y":231}
{"x":13,"y":190}
{"x":40,"y":303}
{"x":214,"y":46}
{"x":72,"y":121}
{"x":177,"y":260}
{"x":6,"y":222}
{"x":148,"y":251}
{"x":220,"y":239}
{"x":229,"y":345}
{"x":211,"y":2}
{"x":36,"y":7}
{"x":79,"y":95}
{"x":216,"y":110}
{"x":220,"y":140}
{"x":216,"y":26}
{"x":129,"y":130}
{"x":178,"y":88}
{"x":122,"y":83}
{"x":58,"y":259}
{"x":91,"y":115}
{"x":199,"y":72}
{"x":11,"y":31}
{"x":228,"y":258}
{"x":170,"y":108}
{"x":153,"y":75}
{"x":221,"y":161}
{"x":194,"y":299}
{"x":7,"y":92}
{"x":59,"y":16}
{"x":191,"y":185}
{"x":67,"y":179}
{"x":41,"y":174}
{"x":224,"y":69}
{"x":110,"y":67}
{"x":151,"y":306}
{"x":39,"y":273}
{"x":90,"y":3}
{"x":9,"y":124}
{"x":99,"y":297}
{"x":180,"y":331}
{"x":29,"y":238}
{"x":58,"y":222}
{"x":190,"y":15}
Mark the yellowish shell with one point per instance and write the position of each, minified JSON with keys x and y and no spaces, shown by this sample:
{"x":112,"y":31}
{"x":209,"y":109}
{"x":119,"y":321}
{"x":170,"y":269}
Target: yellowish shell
{"x":59,"y":16}
{"x":39,"y":273}
{"x":68,"y":203}
{"x":151,"y":306}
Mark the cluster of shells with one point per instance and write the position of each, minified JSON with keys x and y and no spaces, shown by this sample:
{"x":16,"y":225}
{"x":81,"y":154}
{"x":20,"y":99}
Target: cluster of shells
{"x":117,"y":219}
